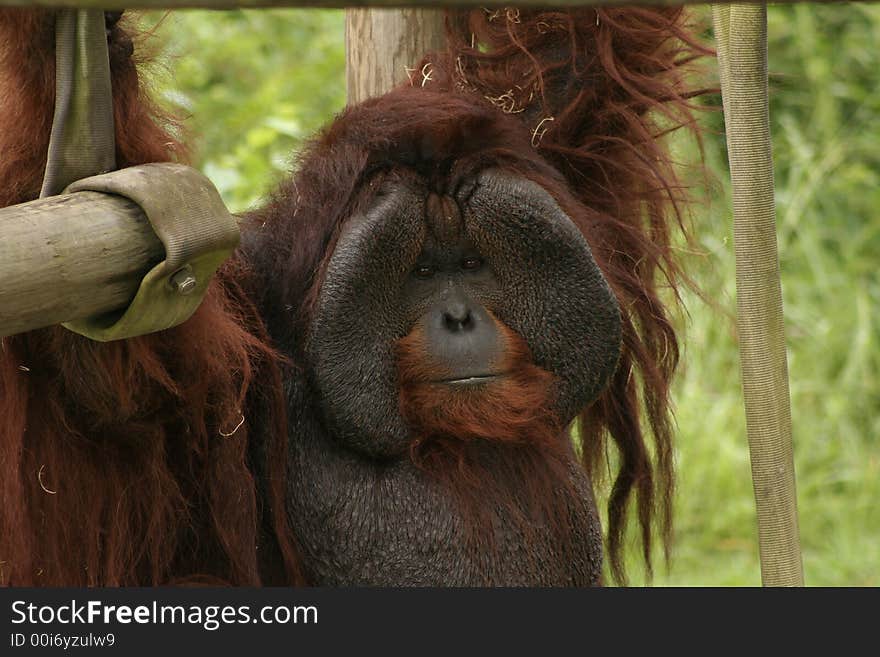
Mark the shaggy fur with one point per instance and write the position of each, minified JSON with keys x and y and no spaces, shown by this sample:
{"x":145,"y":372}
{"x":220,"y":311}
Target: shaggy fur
{"x":479,"y":441}
{"x":597,"y":89}
{"x":113,"y":469}
{"x":576,"y":101}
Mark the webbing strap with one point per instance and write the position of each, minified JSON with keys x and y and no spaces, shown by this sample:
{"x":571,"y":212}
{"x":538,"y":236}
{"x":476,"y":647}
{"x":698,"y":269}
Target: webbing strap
{"x":183,"y":207}
{"x":82,"y":139}
{"x":741,"y":37}
{"x":198,"y":233}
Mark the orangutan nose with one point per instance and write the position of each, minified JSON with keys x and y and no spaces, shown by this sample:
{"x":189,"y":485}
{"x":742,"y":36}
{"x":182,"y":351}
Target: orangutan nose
{"x":457,"y":317}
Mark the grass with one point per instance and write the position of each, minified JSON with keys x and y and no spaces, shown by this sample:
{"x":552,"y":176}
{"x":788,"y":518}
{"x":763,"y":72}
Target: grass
{"x":826,"y":128}
{"x":256,"y":83}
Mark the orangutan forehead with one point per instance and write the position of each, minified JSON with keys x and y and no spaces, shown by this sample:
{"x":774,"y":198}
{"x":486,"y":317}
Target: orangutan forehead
{"x":443,"y":219}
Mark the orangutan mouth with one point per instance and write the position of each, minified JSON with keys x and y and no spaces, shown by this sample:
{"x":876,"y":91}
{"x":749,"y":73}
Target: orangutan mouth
{"x":471,"y":380}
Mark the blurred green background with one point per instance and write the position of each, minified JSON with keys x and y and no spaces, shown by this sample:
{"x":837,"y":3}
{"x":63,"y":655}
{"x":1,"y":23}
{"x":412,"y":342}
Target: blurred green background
{"x":252,"y":84}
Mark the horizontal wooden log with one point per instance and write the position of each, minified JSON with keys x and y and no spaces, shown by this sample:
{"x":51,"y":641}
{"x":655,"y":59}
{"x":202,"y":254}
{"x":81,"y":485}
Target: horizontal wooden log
{"x":71,"y":256}
{"x":339,"y":4}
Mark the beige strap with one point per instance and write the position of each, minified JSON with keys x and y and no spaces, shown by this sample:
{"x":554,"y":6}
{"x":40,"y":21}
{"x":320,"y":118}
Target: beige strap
{"x":82,"y":141}
{"x":198,"y":233}
{"x":183,"y":207}
{"x":741,"y":37}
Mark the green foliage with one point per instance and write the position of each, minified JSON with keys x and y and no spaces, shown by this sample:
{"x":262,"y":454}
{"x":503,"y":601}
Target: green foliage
{"x":252,"y":86}
{"x":827,"y":109}
{"x":257,"y":82}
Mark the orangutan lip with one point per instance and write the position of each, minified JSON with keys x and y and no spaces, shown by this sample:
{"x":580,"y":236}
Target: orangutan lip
{"x":481,"y":378}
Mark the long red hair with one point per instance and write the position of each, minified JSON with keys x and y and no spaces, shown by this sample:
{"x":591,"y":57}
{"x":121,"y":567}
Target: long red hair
{"x":597,"y":89}
{"x":500,"y":447}
{"x":130,"y":462}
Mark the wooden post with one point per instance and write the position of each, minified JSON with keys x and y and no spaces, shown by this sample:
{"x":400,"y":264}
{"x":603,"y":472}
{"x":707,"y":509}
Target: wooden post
{"x":381,"y":44}
{"x":71,"y":256}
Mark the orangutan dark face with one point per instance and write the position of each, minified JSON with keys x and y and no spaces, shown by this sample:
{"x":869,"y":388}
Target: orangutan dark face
{"x":459,"y":287}
{"x":454,"y":337}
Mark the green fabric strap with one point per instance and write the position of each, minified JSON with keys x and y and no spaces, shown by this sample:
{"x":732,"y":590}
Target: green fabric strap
{"x":198,"y":233}
{"x":741,"y":37}
{"x":82,"y":140}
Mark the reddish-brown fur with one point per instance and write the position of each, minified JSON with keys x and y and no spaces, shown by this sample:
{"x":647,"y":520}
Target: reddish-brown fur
{"x":112,"y":467}
{"x":126,"y":435}
{"x":614,"y":81}
{"x":515,"y":408}
{"x":483,"y":442}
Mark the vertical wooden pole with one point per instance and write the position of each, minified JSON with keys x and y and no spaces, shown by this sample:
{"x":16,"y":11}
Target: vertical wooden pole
{"x":381,"y":44}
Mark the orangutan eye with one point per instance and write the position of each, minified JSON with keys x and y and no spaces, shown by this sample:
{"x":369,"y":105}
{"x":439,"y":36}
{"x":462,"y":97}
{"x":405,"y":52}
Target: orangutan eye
{"x":471,"y":264}
{"x":423,"y":271}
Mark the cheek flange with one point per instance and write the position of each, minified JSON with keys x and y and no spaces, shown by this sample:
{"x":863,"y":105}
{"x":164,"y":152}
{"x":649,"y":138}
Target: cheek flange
{"x":551,"y":290}
{"x":358,"y":319}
